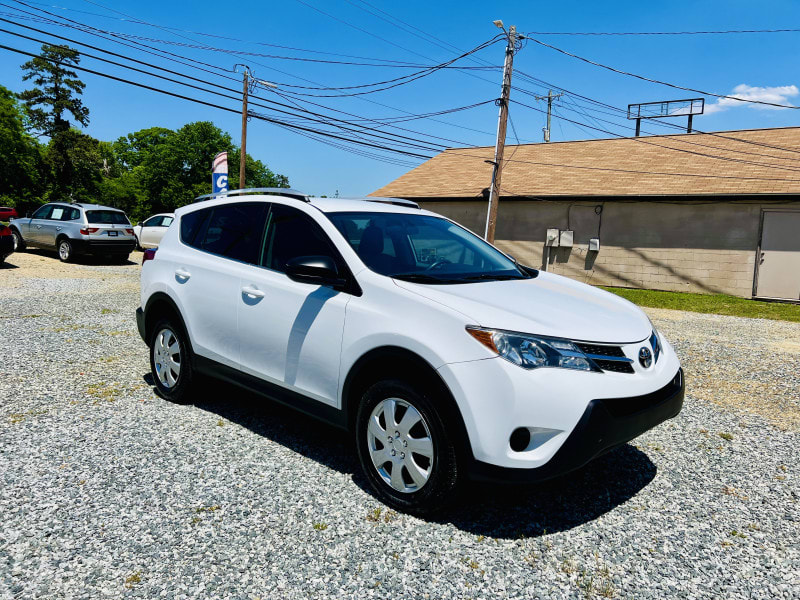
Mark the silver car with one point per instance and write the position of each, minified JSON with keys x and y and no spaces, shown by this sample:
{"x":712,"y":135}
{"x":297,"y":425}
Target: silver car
{"x":73,"y":229}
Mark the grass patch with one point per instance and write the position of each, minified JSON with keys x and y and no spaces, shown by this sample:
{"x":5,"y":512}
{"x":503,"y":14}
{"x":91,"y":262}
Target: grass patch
{"x":717,"y":304}
{"x":319,"y":526}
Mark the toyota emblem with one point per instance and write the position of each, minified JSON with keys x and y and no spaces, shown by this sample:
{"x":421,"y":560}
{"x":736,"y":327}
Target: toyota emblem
{"x":645,"y":357}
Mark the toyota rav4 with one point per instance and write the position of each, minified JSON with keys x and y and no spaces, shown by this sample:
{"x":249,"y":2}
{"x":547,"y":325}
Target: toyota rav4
{"x":444,"y":357}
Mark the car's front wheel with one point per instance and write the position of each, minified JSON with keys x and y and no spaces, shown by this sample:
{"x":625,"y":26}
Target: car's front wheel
{"x":405,"y":449}
{"x":19,"y":243}
{"x":170,"y":362}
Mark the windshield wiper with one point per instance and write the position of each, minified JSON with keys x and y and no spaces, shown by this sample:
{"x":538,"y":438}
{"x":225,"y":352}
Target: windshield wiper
{"x":422,"y":278}
{"x":491,"y":277}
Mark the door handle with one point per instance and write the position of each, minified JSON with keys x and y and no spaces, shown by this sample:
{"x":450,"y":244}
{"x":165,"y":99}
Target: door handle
{"x":183,"y":274}
{"x":58,"y":228}
{"x":38,"y":227}
{"x":252,"y":292}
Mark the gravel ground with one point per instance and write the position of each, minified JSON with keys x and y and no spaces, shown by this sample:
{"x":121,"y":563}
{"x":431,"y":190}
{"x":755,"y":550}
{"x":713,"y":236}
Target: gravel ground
{"x":108,"y":491}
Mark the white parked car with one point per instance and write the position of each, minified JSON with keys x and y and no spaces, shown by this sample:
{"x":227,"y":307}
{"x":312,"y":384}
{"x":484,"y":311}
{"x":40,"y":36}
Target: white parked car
{"x":149,"y":233}
{"x":442,"y":356}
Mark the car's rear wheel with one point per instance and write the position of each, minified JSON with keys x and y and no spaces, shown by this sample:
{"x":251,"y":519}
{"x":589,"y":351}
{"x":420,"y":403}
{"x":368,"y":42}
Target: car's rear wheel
{"x":19,"y":243}
{"x":170,"y":361}
{"x":406,"y":451}
{"x":65,"y":251}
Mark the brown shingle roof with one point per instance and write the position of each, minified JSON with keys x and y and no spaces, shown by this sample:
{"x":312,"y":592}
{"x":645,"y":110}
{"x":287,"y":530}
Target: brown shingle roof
{"x":730,"y":162}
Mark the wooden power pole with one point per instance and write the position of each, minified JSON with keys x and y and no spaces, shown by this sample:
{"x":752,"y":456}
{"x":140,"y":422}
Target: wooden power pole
{"x":244,"y":128}
{"x":550,"y":97}
{"x":497,"y":171}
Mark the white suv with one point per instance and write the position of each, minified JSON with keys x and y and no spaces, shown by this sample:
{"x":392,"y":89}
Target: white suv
{"x":439,"y":353}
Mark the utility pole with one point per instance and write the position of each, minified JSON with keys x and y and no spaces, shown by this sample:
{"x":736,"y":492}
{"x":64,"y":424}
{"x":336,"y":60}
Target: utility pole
{"x":550,"y":97}
{"x":497,"y":171}
{"x":247,"y":81}
{"x":245,"y":86}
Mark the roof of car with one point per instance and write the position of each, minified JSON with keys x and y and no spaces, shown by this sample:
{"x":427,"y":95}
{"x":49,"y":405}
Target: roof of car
{"x":326,"y":205}
{"x":87,"y":206}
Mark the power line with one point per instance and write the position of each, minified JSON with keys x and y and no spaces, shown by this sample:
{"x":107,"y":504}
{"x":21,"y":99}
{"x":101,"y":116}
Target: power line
{"x":651,"y":80}
{"x":203,"y":102}
{"x":651,"y":143}
{"x":624,"y":33}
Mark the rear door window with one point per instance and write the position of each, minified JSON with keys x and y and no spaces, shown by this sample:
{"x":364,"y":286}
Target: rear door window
{"x":193,"y":227}
{"x":57,"y":213}
{"x":235,"y":230}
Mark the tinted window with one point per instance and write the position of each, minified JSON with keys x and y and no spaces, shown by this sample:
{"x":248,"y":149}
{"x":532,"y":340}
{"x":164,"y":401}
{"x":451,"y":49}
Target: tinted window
{"x":71,"y":214}
{"x":152,"y":222}
{"x":109,"y":217}
{"x":42,"y":212}
{"x":193,"y":226}
{"x":235,"y":230}
{"x":292,"y":233}
{"x":422,"y":248}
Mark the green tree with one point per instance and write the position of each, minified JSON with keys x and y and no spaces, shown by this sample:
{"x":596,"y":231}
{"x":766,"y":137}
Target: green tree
{"x":20,"y":154}
{"x":57,"y":91}
{"x":71,"y":156}
{"x":162,"y":169}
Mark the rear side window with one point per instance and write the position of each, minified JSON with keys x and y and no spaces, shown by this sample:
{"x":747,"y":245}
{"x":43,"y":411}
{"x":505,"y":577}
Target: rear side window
{"x":293,"y":233}
{"x":71,"y":214}
{"x":235,"y":231}
{"x":193,"y":226}
{"x":106,"y":217}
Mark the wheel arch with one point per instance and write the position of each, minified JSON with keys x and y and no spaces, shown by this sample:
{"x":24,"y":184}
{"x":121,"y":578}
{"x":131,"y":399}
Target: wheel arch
{"x":161,"y":305}
{"x":393,"y":362}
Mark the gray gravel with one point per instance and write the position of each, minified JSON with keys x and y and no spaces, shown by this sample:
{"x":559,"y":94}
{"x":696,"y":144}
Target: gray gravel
{"x":107,"y":491}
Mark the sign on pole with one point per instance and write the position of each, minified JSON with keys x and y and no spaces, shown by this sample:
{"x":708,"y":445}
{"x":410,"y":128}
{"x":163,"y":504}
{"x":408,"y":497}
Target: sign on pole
{"x":219,"y":173}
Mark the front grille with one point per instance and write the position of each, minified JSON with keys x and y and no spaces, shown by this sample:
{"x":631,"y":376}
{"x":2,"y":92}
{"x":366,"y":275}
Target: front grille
{"x":601,"y":350}
{"x":614,"y":365}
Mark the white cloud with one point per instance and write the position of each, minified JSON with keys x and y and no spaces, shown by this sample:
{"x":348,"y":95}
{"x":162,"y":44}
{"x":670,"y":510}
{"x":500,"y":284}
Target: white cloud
{"x":776,"y":95}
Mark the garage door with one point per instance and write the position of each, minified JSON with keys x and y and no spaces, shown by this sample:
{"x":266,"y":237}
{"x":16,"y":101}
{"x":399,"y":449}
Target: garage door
{"x":779,"y":265}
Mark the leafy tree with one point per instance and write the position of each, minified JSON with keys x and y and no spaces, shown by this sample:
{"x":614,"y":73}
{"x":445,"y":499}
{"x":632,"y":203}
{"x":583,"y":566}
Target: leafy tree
{"x":55,"y":98}
{"x":20,"y":154}
{"x":76,"y":166}
{"x":57,"y":90}
{"x":164,"y":169}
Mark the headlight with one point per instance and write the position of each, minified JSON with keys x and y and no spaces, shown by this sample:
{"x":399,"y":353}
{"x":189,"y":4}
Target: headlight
{"x":531,"y":351}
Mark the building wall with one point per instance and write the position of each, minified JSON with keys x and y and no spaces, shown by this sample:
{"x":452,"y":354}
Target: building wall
{"x":678,"y":246}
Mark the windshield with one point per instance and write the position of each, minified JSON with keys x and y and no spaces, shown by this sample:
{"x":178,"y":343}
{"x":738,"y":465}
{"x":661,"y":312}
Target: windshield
{"x":111,"y":217}
{"x":423,"y":249}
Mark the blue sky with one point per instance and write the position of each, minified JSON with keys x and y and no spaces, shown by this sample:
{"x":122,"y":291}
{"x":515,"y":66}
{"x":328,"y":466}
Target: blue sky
{"x":761,"y":66}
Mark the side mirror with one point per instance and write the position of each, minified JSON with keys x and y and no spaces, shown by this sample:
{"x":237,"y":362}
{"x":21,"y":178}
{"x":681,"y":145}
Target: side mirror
{"x":316,"y":270}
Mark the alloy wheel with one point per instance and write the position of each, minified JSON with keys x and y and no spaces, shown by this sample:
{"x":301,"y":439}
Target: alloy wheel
{"x":400,"y":445}
{"x":63,"y":250}
{"x":167,"y":357}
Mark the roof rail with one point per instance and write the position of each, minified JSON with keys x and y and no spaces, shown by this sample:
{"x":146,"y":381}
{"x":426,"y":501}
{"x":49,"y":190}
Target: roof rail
{"x":395,"y":201}
{"x":289,"y":192}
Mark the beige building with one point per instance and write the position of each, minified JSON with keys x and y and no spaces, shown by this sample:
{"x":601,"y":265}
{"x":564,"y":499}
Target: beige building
{"x":701,"y":212}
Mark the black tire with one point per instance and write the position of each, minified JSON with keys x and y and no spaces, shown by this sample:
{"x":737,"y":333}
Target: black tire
{"x":65,"y":250}
{"x":178,"y":391}
{"x":19,"y":243}
{"x":444,"y":471}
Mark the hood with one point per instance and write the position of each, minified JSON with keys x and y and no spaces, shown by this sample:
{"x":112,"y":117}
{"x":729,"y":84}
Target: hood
{"x":545,"y":305}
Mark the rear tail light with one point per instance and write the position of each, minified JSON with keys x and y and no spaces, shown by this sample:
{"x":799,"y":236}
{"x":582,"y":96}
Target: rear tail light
{"x":129,"y":231}
{"x":88,"y":230}
{"x":4,"y":231}
{"x":149,"y":254}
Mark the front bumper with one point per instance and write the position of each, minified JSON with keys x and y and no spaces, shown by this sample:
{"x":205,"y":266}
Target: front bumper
{"x":92,"y":246}
{"x":605,"y":424}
